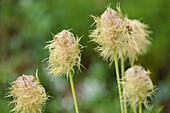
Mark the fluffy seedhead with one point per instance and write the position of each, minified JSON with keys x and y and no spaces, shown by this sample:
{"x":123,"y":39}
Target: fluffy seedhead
{"x":114,"y":33}
{"x":64,"y":53}
{"x":135,"y":39}
{"x":137,"y":86}
{"x":28,"y":94}
{"x":108,"y":33}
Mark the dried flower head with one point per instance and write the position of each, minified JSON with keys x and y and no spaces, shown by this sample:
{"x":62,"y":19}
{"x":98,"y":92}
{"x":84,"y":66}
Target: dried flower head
{"x":28,"y":94}
{"x":137,"y":86}
{"x":114,"y":33}
{"x":64,"y":53}
{"x":135,"y":39}
{"x":108,"y":33}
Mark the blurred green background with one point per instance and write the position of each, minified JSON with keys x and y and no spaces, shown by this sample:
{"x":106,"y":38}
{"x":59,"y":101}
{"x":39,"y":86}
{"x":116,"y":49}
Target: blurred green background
{"x":25,"y":26}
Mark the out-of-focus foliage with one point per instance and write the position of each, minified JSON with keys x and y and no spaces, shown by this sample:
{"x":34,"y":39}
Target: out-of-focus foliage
{"x":154,"y":109}
{"x":25,"y":26}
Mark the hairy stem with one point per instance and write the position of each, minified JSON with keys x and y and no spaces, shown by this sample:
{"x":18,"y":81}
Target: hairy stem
{"x":122,"y":66}
{"x":132,"y":62}
{"x":122,"y":71}
{"x":140,"y":107}
{"x":118,"y":82}
{"x":135,"y":111}
{"x":73,"y":92}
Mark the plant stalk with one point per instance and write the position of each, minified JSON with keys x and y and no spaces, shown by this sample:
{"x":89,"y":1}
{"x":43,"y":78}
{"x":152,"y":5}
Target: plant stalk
{"x":132,"y":62}
{"x":140,"y":107}
{"x":73,"y":92}
{"x":123,"y":71}
{"x":118,"y":82}
{"x":135,"y":111}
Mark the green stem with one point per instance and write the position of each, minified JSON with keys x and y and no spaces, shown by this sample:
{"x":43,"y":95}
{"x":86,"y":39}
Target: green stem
{"x":140,"y":107}
{"x":135,"y":111}
{"x":123,"y":71}
{"x":132,"y":63}
{"x":122,"y":66}
{"x":73,"y":92}
{"x":118,"y":81}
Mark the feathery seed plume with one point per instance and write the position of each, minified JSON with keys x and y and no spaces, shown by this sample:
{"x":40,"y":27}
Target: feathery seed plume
{"x":114,"y":33}
{"x":135,"y":39}
{"x":108,"y":33}
{"x":28,"y":94}
{"x":137,"y":86}
{"x":64,"y":53}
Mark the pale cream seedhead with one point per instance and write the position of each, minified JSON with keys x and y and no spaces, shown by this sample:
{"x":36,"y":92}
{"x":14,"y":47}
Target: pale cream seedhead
{"x":137,"y":86}
{"x":135,"y":39}
{"x":114,"y":33}
{"x":28,"y":94}
{"x":64,"y":53}
{"x":108,"y":33}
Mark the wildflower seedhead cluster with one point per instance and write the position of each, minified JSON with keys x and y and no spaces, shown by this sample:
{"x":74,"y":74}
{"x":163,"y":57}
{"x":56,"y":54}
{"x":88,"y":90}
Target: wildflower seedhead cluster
{"x":114,"y":33}
{"x":137,"y":86}
{"x":135,"y":39}
{"x":28,"y":94}
{"x":107,"y":33}
{"x":64,"y":53}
